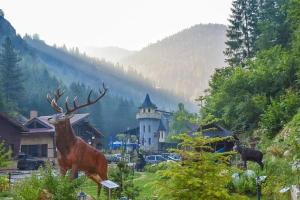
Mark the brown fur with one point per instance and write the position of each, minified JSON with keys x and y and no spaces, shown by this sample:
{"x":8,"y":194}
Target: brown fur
{"x":75,"y":154}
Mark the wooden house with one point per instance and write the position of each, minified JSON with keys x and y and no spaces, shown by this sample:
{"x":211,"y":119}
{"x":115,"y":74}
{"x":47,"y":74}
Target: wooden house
{"x":10,"y":133}
{"x":36,"y":137}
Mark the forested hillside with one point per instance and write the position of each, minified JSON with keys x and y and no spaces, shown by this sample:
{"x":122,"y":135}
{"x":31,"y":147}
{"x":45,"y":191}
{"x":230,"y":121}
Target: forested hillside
{"x":257,"y":95}
{"x":30,"y":69}
{"x":113,"y":54}
{"x":183,"y":62}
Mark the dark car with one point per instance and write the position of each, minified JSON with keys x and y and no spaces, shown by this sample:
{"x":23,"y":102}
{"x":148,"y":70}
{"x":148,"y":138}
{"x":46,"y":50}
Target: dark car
{"x":26,"y":162}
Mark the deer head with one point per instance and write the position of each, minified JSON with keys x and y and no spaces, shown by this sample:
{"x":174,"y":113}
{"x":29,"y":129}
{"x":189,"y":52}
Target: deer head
{"x":61,"y":116}
{"x":236,"y":142}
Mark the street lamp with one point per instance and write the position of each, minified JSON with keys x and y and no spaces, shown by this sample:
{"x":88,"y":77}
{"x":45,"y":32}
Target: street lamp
{"x":259,"y":181}
{"x":81,"y":196}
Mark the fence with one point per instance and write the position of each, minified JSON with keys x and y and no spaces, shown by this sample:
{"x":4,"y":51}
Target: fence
{"x":15,"y":175}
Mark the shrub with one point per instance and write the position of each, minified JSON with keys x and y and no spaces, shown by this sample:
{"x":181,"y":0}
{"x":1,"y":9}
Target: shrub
{"x":4,"y":183}
{"x":200,"y":175}
{"x":123,"y":175}
{"x":245,"y":183}
{"x":46,"y":182}
{"x":156,"y":167}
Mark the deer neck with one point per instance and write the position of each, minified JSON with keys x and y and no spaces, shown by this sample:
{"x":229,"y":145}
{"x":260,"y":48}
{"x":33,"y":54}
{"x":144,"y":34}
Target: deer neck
{"x":65,"y":137}
{"x":239,"y":149}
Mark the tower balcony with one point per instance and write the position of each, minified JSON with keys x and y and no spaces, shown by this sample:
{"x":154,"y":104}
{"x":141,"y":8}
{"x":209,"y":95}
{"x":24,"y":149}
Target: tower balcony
{"x":142,"y":115}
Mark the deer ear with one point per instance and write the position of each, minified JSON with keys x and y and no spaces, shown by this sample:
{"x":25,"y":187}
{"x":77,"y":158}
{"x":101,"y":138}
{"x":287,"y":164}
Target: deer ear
{"x":236,"y":137}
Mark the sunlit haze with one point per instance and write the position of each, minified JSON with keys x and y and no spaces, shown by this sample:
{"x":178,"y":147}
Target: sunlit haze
{"x":130,"y":24}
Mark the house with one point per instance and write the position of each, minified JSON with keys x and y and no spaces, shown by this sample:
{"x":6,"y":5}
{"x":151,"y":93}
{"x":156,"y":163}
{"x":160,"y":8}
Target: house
{"x":213,"y":130}
{"x":39,"y":140}
{"x":36,"y":137}
{"x":153,"y":127}
{"x":10,"y":133}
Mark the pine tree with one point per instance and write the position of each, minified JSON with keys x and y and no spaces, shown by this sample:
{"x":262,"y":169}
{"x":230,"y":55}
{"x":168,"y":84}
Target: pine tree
{"x":242,"y":32}
{"x":11,"y":75}
{"x":273,"y":24}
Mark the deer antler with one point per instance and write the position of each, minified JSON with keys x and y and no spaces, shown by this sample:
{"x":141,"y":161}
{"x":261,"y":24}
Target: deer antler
{"x":89,"y":101}
{"x":53,"y":102}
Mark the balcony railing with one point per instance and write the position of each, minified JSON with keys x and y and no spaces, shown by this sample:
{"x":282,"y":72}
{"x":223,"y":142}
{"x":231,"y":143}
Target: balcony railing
{"x":148,"y":115}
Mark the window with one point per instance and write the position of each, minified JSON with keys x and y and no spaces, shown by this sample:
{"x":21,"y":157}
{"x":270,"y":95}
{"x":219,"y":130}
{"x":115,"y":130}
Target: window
{"x":44,"y":150}
{"x":149,"y":128}
{"x":162,"y":135}
{"x":149,"y":110}
{"x":149,"y":141}
{"x":12,"y":149}
{"x":144,"y":128}
{"x":35,"y":150}
{"x":144,"y":110}
{"x":150,"y":157}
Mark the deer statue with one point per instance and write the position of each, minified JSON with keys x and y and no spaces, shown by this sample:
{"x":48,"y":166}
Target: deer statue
{"x":249,"y":154}
{"x":73,"y":153}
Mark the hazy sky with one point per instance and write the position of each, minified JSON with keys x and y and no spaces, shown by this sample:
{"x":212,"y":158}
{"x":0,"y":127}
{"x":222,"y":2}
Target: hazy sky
{"x":130,"y":24}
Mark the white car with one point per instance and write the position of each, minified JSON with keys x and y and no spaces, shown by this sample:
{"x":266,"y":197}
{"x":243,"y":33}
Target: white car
{"x":154,"y":159}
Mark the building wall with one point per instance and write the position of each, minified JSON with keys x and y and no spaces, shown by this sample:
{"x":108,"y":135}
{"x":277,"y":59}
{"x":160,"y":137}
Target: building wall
{"x":10,"y":135}
{"x":38,"y":140}
{"x":145,"y":134}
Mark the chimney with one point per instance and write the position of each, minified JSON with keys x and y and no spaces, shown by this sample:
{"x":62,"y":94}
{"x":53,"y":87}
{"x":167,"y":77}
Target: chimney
{"x":33,"y":114}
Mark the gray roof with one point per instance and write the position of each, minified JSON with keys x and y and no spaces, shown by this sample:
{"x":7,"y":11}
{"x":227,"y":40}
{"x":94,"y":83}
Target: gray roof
{"x":147,"y":103}
{"x":161,"y":127}
{"x":49,"y":127}
{"x":209,"y":130}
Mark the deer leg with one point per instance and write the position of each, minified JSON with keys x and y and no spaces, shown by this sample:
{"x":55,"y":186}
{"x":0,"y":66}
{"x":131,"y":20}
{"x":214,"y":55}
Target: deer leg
{"x":245,"y":164}
{"x":62,"y":171}
{"x":96,"y":178}
{"x":74,"y":173}
{"x":261,"y":164}
{"x":99,"y":190}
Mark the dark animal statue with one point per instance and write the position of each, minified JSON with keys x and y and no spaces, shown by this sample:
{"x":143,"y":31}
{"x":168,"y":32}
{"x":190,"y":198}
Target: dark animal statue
{"x":73,"y":153}
{"x":248,"y":154}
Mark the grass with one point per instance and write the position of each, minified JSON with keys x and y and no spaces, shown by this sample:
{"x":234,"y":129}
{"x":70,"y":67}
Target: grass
{"x":144,"y":180}
{"x":90,"y":188}
{"x":146,"y":184}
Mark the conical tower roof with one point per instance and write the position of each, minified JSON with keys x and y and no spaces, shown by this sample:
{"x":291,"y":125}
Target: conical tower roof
{"x":147,"y":103}
{"x":161,"y":127}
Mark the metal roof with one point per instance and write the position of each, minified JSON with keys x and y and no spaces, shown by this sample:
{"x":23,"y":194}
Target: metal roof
{"x":161,"y":127}
{"x":147,"y":103}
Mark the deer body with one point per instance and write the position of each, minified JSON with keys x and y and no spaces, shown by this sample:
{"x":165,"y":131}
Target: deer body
{"x":248,"y":154}
{"x":73,"y":153}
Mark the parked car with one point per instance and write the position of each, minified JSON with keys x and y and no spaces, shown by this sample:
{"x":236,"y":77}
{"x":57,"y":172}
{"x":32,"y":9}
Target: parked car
{"x":174,"y":157}
{"x":171,"y":156}
{"x":154,"y":159}
{"x":114,"y":158}
{"x":26,"y":162}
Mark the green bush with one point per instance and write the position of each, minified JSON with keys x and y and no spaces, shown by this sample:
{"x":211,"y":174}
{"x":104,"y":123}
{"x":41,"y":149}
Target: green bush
{"x":156,"y":167}
{"x":123,"y":175}
{"x":200,"y":175}
{"x":4,"y":183}
{"x":46,"y":181}
{"x":245,"y":183}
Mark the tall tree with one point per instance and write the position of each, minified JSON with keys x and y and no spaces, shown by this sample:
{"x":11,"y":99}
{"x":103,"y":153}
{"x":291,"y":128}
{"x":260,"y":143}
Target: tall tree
{"x":12,"y":81}
{"x":242,"y":32}
{"x":273,"y":24}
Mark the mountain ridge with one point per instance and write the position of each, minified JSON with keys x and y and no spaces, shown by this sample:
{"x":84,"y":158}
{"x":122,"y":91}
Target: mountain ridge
{"x":179,"y":61}
{"x":70,"y":67}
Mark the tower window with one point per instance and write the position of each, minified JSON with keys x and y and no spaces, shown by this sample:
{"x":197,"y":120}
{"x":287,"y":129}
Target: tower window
{"x":149,"y":128}
{"x":144,"y":128}
{"x":149,"y":141}
{"x":149,"y":109}
{"x":162,"y":135}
